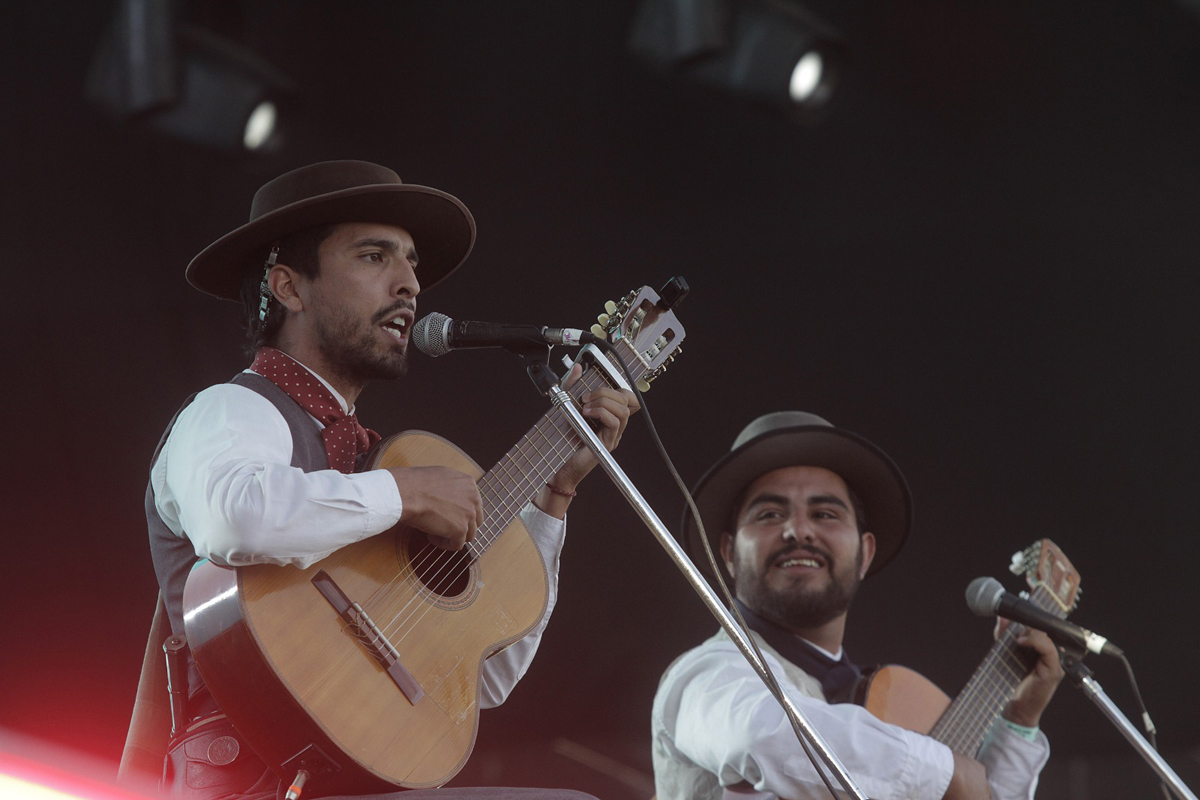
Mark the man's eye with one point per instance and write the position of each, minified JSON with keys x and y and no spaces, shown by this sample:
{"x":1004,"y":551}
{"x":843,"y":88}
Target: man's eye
{"x":769,"y":514}
{"x":376,"y":257}
{"x":824,"y":514}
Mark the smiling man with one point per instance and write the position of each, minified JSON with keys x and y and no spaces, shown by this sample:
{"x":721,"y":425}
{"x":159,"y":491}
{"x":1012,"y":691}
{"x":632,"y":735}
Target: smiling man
{"x":799,"y":513}
{"x":265,"y":469}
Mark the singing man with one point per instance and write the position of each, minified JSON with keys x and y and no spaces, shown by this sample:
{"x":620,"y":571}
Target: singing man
{"x":264,"y":469}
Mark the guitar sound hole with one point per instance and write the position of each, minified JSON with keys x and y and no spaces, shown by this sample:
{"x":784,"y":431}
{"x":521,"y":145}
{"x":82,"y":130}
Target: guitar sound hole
{"x":443,"y":572}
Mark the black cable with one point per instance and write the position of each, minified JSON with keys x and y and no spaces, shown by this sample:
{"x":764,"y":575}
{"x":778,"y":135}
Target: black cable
{"x":1146,"y":721}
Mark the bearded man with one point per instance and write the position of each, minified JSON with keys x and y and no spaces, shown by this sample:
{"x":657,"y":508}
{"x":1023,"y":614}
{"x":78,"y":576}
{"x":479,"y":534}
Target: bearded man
{"x":800,"y":513}
{"x":267,"y":468}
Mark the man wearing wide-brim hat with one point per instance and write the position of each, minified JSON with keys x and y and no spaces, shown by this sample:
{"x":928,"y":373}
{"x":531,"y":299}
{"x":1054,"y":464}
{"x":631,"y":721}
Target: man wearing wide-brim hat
{"x":798,"y":512}
{"x":265,"y":469}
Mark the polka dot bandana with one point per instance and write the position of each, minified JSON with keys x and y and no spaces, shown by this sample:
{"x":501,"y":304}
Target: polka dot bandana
{"x":344,"y":437}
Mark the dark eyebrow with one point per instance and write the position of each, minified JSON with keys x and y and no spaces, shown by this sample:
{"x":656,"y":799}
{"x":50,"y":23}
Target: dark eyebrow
{"x":827,"y":499}
{"x":386,"y":245}
{"x":765,"y":499}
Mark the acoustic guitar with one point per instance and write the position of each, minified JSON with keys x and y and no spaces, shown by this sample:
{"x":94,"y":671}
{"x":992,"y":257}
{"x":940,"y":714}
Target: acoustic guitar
{"x":363,"y":669}
{"x":903,"y":697}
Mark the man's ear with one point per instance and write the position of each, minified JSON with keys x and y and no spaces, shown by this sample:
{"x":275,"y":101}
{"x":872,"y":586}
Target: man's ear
{"x":868,"y":551}
{"x":727,"y":551}
{"x":285,"y":284}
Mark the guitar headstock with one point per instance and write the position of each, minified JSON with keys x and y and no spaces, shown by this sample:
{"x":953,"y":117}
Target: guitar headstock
{"x":1043,"y":565}
{"x":643,"y":328}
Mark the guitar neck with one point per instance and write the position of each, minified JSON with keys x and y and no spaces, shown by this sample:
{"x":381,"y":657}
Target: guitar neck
{"x":969,"y":718}
{"x":524,"y":470}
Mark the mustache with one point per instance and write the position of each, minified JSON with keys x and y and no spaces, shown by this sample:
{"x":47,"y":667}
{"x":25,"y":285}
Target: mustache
{"x":390,"y":311}
{"x":796,"y":548}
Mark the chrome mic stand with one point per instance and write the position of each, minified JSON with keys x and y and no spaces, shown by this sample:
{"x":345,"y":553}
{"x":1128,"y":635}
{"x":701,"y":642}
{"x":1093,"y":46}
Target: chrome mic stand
{"x":1082,"y":676}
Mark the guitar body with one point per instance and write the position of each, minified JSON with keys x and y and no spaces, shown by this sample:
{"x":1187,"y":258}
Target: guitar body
{"x":294,"y":677}
{"x":905,"y":698}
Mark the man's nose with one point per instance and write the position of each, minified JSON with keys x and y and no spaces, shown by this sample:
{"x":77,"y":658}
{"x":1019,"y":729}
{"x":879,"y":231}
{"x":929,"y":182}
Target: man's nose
{"x":407,"y":284}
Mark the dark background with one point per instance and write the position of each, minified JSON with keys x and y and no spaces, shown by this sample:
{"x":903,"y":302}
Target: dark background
{"x":985,"y":260}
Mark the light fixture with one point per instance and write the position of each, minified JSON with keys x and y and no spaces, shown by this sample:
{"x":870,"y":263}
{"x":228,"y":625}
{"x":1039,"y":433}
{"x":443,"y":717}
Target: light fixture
{"x":774,"y":51}
{"x":188,"y":82}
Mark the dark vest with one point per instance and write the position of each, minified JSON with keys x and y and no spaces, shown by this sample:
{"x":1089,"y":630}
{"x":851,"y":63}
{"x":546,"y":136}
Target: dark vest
{"x":173,"y":555}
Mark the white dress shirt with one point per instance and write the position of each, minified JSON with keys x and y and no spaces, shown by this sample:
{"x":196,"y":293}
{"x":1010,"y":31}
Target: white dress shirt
{"x":715,"y":725}
{"x":224,"y":476}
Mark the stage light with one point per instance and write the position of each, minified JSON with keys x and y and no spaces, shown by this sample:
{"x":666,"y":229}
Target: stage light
{"x":188,"y":82}
{"x":806,"y":76}
{"x":773,"y":51}
{"x":260,"y":127}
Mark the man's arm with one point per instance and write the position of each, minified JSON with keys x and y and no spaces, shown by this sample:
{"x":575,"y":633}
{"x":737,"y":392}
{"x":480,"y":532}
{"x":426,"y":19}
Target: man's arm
{"x":225,"y":478}
{"x":713,"y":711}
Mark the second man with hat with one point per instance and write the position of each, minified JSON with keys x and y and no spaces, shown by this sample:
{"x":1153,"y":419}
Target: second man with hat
{"x":798,"y":513}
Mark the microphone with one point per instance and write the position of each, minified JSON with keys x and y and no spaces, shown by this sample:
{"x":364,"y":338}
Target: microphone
{"x":436,"y":334}
{"x":987,"y":598}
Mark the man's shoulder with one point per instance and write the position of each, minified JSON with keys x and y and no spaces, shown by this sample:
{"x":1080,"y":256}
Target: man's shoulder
{"x":226,"y":403}
{"x":717,"y":647}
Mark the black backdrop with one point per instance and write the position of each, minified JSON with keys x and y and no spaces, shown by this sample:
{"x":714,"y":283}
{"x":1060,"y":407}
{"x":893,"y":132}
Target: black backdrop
{"x":985,"y":260}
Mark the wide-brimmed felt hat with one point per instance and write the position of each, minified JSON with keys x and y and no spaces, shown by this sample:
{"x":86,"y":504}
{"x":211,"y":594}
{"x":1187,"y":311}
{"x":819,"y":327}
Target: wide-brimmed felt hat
{"x":797,"y":438}
{"x":330,"y":192}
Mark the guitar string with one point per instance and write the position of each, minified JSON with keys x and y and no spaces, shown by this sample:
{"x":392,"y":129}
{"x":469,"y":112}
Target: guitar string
{"x":444,"y":560}
{"x":986,"y":689}
{"x":382,"y":593}
{"x":547,"y":466}
{"x":964,"y":726}
{"x":966,"y":715}
{"x":500,"y":513}
{"x":436,"y":568}
{"x":475,"y":548}
{"x":562,"y":450}
{"x":982,"y":687}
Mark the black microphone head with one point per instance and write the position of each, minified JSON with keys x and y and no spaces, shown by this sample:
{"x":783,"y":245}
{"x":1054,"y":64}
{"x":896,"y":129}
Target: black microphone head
{"x":431,"y":334}
{"x":983,"y":596}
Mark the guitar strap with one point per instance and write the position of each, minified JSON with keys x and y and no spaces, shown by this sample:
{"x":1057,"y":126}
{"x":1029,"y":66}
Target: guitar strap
{"x":838,"y":678}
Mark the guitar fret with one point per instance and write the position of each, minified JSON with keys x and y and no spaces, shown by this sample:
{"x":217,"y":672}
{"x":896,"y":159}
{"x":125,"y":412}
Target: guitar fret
{"x":518,"y":476}
{"x":970,"y":716}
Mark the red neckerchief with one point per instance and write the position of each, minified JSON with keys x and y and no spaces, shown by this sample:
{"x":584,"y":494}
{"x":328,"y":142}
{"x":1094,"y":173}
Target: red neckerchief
{"x":344,"y":437}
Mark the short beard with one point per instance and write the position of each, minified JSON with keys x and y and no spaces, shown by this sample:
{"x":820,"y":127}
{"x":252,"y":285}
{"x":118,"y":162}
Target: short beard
{"x":799,"y":610}
{"x":354,"y":353}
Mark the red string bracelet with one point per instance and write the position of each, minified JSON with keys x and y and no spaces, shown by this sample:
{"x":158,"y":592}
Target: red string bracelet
{"x":559,"y":491}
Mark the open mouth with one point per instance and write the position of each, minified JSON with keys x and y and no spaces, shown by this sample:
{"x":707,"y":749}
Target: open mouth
{"x":800,"y":561}
{"x":398,"y":326}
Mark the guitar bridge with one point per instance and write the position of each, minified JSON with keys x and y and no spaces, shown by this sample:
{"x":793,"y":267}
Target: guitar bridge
{"x":369,"y":634}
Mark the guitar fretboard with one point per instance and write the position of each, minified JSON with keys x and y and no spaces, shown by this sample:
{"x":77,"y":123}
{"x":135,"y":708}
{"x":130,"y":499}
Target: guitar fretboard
{"x":525,"y":468}
{"x":968,"y":719}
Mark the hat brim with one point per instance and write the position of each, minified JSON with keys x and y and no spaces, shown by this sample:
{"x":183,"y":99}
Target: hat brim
{"x":863,"y":466}
{"x":441,"y":226}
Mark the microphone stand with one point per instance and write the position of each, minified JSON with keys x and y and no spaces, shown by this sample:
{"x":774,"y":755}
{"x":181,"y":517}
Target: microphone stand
{"x":1082,"y":677}
{"x":547,"y":382}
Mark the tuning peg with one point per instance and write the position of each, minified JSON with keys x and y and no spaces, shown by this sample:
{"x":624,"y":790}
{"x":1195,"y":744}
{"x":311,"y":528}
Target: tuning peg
{"x":599,"y":332}
{"x":604,"y":319}
{"x":610,"y":307}
{"x":643,"y":384}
